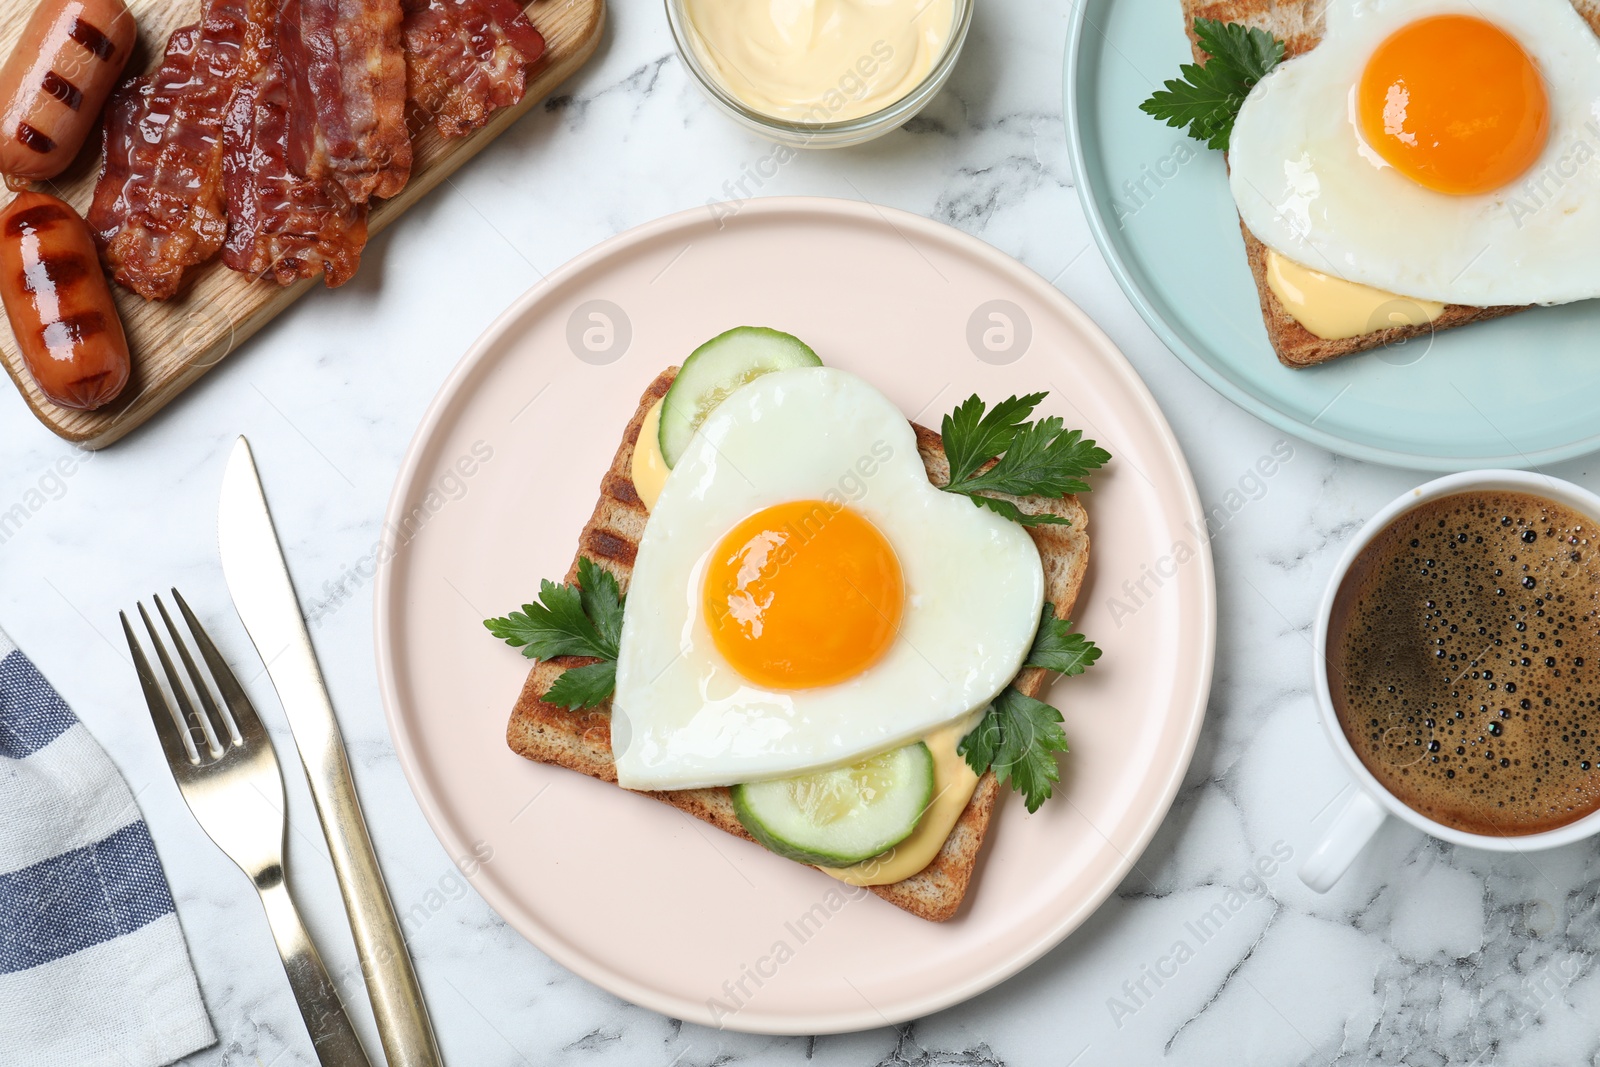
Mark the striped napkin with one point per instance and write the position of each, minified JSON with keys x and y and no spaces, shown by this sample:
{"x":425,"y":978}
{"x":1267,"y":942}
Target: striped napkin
{"x":93,"y":966}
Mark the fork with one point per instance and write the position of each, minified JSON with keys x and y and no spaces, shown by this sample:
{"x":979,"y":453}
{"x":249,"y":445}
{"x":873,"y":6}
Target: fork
{"x":227,"y":771}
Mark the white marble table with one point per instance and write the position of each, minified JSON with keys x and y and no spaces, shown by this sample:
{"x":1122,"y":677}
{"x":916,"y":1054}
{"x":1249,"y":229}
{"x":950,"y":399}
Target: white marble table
{"x":1424,"y":954}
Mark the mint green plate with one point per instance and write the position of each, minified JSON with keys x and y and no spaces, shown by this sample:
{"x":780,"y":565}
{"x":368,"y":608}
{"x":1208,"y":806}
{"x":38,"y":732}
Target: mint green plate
{"x":1515,"y":392}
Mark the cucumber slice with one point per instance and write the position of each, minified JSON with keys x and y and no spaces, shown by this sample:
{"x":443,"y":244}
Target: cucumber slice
{"x":716,"y":369}
{"x":843,"y":816}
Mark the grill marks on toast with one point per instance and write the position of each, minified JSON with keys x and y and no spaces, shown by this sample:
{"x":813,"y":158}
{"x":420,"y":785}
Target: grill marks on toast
{"x":611,"y":536}
{"x":1300,"y":25}
{"x":581,"y":740}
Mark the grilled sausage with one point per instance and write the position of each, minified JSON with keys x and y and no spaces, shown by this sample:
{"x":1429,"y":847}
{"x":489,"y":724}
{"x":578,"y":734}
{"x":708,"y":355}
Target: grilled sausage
{"x":59,"y":303}
{"x":52,"y":87}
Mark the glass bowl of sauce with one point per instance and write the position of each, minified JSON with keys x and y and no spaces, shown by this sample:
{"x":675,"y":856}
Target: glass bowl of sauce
{"x":820,"y":73}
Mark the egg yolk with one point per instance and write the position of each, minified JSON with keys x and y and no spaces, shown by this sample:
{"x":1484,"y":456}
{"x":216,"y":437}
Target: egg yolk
{"x":803,"y":594}
{"x":1455,"y":104}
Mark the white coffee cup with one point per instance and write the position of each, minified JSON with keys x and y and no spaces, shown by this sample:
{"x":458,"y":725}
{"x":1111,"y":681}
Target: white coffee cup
{"x":1370,"y":803}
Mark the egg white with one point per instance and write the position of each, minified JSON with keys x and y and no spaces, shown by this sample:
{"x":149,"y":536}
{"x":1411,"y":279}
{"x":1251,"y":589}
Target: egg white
{"x":1309,"y":185}
{"x":682,"y":717}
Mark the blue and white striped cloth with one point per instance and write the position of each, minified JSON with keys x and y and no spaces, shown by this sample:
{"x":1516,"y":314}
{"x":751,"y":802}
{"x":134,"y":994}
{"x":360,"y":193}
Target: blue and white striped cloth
{"x":93,"y":966}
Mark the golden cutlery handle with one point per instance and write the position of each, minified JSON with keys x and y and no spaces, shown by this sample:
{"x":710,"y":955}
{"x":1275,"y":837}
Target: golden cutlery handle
{"x":331,"y":1033}
{"x":392,"y":987}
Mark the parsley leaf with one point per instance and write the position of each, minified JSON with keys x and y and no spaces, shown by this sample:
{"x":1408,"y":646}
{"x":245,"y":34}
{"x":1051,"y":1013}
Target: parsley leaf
{"x":602,"y":602}
{"x":1029,"y":458}
{"x":982,"y":741}
{"x":583,"y":619}
{"x":972,"y":438}
{"x":1206,"y":101}
{"x":1057,"y":649}
{"x":1006,"y":509}
{"x":1249,"y":54}
{"x":1043,"y":460}
{"x":583,"y":687}
{"x":1207,"y":98}
{"x":1018,"y":738}
{"x":556,"y":626}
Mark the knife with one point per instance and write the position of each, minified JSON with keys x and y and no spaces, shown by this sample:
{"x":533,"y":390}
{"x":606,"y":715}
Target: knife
{"x":252,"y":563}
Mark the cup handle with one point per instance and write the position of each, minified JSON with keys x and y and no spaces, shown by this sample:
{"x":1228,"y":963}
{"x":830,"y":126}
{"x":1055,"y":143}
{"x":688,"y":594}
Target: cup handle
{"x":1349,"y":833}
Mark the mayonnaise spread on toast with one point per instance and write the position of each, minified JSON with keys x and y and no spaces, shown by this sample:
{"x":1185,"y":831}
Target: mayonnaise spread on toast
{"x":953,"y":785}
{"x":649,"y":467}
{"x":1334,"y":309}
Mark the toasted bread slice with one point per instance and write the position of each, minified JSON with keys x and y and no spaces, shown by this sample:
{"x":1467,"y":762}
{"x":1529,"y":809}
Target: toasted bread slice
{"x":1299,"y":24}
{"x":581,"y":740}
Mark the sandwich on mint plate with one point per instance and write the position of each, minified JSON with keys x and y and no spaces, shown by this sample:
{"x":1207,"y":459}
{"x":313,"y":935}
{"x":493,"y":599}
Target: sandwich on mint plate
{"x":801,"y":618}
{"x":1400,"y":167}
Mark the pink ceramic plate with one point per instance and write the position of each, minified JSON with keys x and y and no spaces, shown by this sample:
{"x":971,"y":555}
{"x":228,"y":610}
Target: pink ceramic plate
{"x":629,"y":893}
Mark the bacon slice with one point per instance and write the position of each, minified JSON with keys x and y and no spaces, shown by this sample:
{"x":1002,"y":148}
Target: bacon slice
{"x":280,"y":224}
{"x":158,"y":206}
{"x":465,"y":58}
{"x":346,"y":78}
{"x":264,"y":132}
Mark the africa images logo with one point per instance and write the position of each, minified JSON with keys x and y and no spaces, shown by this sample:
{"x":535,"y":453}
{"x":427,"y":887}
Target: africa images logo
{"x":1545,"y":187}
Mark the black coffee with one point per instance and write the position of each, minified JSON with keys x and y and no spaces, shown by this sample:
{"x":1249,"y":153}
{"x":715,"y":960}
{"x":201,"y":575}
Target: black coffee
{"x":1464,"y":662}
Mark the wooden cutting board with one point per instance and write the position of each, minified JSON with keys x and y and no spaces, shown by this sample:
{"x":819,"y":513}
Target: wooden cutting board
{"x":175,"y":341}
